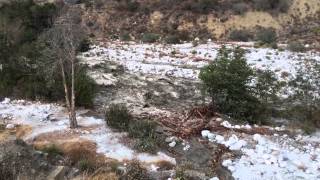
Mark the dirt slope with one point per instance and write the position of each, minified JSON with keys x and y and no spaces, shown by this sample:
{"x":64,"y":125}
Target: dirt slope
{"x":108,"y":18}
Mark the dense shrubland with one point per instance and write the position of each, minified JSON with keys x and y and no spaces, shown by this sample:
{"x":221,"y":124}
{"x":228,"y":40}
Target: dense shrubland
{"x":26,"y":71}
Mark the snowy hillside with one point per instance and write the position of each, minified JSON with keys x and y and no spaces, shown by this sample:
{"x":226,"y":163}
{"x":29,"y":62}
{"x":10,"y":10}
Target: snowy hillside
{"x":185,"y":60}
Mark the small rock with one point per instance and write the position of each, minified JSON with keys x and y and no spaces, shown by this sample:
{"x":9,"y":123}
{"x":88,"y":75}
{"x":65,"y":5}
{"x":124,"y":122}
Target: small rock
{"x":237,"y":126}
{"x":58,"y":173}
{"x":171,"y":139}
{"x":226,"y":124}
{"x":247,"y":126}
{"x":172,"y":144}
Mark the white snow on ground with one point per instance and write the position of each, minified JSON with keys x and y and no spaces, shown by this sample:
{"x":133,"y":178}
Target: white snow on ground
{"x":184,"y":60}
{"x":46,"y":118}
{"x":108,"y":144}
{"x":271,"y":157}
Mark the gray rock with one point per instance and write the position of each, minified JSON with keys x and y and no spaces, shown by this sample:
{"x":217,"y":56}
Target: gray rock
{"x":58,"y":174}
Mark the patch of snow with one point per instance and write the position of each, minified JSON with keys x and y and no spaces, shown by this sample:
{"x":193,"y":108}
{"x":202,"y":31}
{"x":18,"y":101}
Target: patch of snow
{"x":5,"y":101}
{"x":38,"y":115}
{"x":214,"y":178}
{"x":186,"y":147}
{"x":204,"y":133}
{"x":273,"y":157}
{"x":226,"y":124}
{"x":10,"y":126}
{"x":185,"y":60}
{"x":154,"y":168}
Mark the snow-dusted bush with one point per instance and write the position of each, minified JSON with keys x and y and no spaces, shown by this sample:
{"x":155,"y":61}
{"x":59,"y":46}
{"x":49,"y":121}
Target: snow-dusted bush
{"x":118,"y":117}
{"x":149,"y":37}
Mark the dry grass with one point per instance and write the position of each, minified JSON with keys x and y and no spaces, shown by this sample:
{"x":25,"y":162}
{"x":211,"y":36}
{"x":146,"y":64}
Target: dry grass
{"x":4,"y":135}
{"x":104,"y":176}
{"x":23,"y":130}
{"x":76,"y":153}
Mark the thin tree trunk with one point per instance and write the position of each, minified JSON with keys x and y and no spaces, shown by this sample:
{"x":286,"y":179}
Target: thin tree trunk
{"x":66,"y":91}
{"x":64,"y":81}
{"x":73,"y":123}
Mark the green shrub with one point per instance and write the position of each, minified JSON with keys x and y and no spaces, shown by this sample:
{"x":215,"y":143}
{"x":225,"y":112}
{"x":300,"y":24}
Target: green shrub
{"x":53,"y":150}
{"x":304,"y":104}
{"x":133,"y":6}
{"x":85,"y":88}
{"x":240,"y":35}
{"x":144,"y":132}
{"x":85,"y":165}
{"x":129,"y":5}
{"x":118,"y":117}
{"x":125,"y":37}
{"x":227,"y":80}
{"x":266,"y":89}
{"x":2,"y":127}
{"x":141,"y":129}
{"x":275,"y":5}
{"x":201,"y":6}
{"x":266,"y":36}
{"x":147,"y":144}
{"x":84,"y":45}
{"x":240,"y":8}
{"x":173,"y":39}
{"x":316,"y":30}
{"x":283,"y":5}
{"x":149,"y":38}
{"x":296,"y":46}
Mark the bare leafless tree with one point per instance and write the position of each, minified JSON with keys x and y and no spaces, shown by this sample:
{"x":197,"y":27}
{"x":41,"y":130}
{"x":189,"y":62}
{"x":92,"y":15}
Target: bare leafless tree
{"x":63,"y":40}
